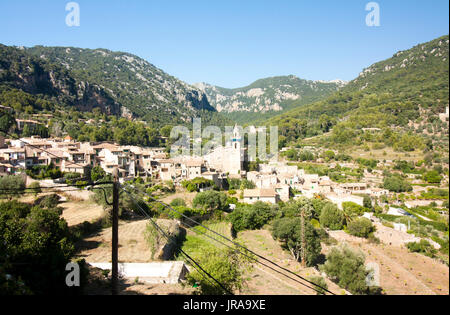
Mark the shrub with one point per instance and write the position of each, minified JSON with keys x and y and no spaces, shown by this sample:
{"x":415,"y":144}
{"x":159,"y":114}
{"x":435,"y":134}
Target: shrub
{"x":44,"y":172}
{"x":321,"y":284}
{"x":423,"y":247}
{"x":47,"y":202}
{"x":289,"y":232}
{"x":191,"y":187}
{"x":178,"y":202}
{"x":331,"y":217}
{"x":397,"y":184}
{"x":432,"y":177}
{"x":36,"y":188}
{"x":227,"y":266}
{"x":211,"y":200}
{"x":251,"y":217}
{"x":347,"y":268}
{"x":361,"y":227}
{"x":352,"y":209}
{"x":11,"y":186}
{"x":81,"y":184}
{"x":35,"y":247}
{"x":72,"y":176}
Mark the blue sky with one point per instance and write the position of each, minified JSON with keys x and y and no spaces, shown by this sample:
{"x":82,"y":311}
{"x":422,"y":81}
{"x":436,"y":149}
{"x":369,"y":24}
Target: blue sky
{"x":232,"y":43}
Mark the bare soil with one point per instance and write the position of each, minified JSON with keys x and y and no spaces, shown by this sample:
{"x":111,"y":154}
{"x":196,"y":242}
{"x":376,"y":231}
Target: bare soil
{"x":265,"y":281}
{"x":402,"y":272}
{"x":133,"y":247}
{"x":78,"y":212}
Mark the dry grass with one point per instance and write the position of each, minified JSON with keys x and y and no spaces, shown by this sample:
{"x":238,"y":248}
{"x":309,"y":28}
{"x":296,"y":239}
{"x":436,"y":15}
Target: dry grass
{"x":264,"y":281}
{"x":385,"y":154}
{"x":402,"y":272}
{"x":133,"y":247}
{"x":76,"y":212}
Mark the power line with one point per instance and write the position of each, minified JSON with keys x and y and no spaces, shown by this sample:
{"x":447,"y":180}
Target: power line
{"x":29,"y":190}
{"x":252,"y":258}
{"x":50,"y":191}
{"x":182,"y":252}
{"x":237,"y":244}
{"x":248,"y":256}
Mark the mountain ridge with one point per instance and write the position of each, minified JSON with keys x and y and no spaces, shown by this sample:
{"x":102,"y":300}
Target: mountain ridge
{"x":267,"y":96}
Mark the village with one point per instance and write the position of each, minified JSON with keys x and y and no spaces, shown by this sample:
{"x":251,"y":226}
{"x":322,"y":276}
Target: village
{"x":413,"y":210}
{"x":359,"y":190}
{"x":273,"y":182}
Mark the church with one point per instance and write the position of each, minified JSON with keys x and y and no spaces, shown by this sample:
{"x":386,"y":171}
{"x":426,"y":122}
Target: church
{"x":229,"y":159}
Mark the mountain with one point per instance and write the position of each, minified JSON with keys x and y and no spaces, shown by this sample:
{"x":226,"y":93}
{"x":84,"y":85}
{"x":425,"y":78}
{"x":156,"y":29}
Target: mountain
{"x":26,"y":80}
{"x":267,"y":97}
{"x":140,"y":89}
{"x":407,"y":91}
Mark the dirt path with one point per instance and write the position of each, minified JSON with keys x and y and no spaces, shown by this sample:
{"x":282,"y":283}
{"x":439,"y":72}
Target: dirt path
{"x":402,"y":272}
{"x":78,"y":212}
{"x":132,"y":244}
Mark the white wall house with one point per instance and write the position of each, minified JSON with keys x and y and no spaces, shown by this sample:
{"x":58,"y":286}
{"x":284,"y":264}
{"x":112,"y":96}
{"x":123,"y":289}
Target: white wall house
{"x":269,"y":195}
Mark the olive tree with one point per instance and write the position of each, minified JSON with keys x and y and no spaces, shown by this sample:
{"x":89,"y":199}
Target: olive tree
{"x":227,"y":266}
{"x":347,"y":268}
{"x":11,"y":186}
{"x":288,"y":230}
{"x":331,"y":217}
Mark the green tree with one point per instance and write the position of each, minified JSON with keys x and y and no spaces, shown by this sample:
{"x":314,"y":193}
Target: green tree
{"x":97,"y":173}
{"x":367,"y":202}
{"x":289,"y":232}
{"x":360,"y":227}
{"x":352,"y":209}
{"x":246,"y":184}
{"x":432,"y":177}
{"x":423,"y":247}
{"x":397,"y":184}
{"x":7,"y":121}
{"x":328,"y":155}
{"x":35,"y":246}
{"x":227,"y":266}
{"x":320,"y":282}
{"x":331,"y":217}
{"x":347,"y":268}
{"x":12,"y":186}
{"x":211,"y":200}
{"x":165,"y":131}
{"x":251,"y":217}
{"x":36,"y":188}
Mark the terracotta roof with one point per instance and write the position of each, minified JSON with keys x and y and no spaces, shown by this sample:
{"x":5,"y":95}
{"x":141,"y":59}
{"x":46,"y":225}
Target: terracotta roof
{"x":263,"y":192}
{"x":194,"y":163}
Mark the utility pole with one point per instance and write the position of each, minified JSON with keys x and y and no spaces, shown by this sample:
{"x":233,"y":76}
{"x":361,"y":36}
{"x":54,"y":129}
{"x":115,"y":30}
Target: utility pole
{"x":302,"y":218}
{"x":115,"y":233}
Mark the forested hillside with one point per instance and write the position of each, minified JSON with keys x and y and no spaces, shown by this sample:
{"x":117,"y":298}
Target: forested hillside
{"x":31,"y":84}
{"x":144,"y":90}
{"x":402,"y":96}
